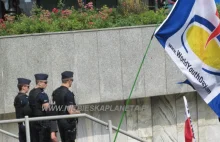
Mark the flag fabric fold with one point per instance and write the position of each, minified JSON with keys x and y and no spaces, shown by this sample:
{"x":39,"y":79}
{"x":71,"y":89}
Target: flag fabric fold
{"x":191,"y":37}
{"x":187,"y":82}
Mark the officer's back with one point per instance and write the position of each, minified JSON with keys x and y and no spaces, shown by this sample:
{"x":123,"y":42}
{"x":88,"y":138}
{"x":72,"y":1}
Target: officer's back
{"x":63,"y":98}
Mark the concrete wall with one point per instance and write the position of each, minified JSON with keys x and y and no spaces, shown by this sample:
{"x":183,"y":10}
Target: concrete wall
{"x":162,"y":119}
{"x":105,"y":63}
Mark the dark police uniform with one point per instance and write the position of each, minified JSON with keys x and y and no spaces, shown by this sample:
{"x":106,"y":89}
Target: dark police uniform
{"x":22,"y":109}
{"x":40,"y":130}
{"x":63,"y":97}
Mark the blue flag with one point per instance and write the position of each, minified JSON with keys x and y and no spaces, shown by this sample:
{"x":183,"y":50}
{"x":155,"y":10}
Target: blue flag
{"x":191,"y":36}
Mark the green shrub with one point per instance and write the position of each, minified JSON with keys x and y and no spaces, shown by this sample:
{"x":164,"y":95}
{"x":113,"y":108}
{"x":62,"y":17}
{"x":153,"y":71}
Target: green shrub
{"x":85,"y":18}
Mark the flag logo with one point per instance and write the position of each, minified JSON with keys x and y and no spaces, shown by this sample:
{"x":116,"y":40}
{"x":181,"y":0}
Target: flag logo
{"x":207,"y":44}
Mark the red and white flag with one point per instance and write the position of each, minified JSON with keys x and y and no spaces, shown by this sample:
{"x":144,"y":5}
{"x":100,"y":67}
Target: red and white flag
{"x":189,"y":133}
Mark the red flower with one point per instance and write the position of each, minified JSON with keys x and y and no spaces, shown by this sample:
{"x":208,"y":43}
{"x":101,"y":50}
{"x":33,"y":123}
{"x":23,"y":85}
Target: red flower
{"x":3,"y":26}
{"x":124,"y":3}
{"x":110,"y":10}
{"x":66,"y":12}
{"x":1,"y":21}
{"x":90,"y":23}
{"x":55,"y":10}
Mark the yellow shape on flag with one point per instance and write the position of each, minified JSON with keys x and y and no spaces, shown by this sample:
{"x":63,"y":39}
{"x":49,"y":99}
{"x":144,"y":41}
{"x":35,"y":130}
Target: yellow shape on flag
{"x":196,"y":37}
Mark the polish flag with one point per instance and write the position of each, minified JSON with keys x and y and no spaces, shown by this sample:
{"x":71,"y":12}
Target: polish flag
{"x":189,"y":133}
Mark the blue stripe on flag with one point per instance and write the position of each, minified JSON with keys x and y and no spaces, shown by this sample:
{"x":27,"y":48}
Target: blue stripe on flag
{"x":175,"y":22}
{"x":215,"y":105}
{"x":205,"y":22}
{"x":208,"y":71}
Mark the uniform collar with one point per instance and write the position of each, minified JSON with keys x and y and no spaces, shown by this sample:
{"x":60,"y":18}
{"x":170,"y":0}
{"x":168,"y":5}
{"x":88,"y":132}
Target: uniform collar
{"x":21,"y":93}
{"x":64,"y":87}
{"x":39,"y":89}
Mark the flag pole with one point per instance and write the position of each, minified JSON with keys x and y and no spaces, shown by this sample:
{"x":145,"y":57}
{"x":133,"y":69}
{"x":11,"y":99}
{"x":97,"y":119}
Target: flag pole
{"x":128,"y":100}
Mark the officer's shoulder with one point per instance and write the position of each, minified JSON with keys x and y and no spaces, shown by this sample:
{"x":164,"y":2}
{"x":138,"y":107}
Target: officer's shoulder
{"x":17,"y":97}
{"x":23,"y":96}
{"x":43,"y":93}
{"x":63,"y":89}
{"x":69,"y":93}
{"x":34,"y":91}
{"x":58,"y":89}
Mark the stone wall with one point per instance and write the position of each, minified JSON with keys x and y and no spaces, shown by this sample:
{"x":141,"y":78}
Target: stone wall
{"x":162,"y":120}
{"x":105,"y":63}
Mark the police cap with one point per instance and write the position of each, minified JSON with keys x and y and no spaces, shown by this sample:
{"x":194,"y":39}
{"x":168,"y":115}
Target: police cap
{"x":67,"y":74}
{"x":41,"y":76}
{"x":23,"y":81}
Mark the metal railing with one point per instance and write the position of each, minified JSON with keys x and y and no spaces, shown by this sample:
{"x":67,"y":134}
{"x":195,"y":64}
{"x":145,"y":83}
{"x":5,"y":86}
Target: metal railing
{"x":8,"y":133}
{"x":27,"y":126}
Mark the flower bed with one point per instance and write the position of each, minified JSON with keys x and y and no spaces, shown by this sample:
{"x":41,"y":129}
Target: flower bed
{"x":86,"y":17}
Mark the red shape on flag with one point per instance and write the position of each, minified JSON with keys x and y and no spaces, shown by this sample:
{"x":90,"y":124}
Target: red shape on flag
{"x":188,"y":131}
{"x":215,"y":33}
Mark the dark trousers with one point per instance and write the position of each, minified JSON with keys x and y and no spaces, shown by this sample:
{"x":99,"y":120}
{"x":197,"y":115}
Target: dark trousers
{"x":21,"y":133}
{"x":67,"y":131}
{"x":40,"y":132}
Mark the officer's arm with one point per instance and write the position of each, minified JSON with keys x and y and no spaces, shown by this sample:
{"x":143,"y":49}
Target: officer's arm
{"x":53,"y":137}
{"x":17,"y":102}
{"x":70,"y":104}
{"x":44,"y":101}
{"x":46,"y":106}
{"x":72,"y":110}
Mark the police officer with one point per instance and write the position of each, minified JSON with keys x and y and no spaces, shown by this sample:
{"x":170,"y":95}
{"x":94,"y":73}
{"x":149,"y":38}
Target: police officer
{"x":21,"y":105}
{"x":39,"y":103}
{"x":64,"y":98}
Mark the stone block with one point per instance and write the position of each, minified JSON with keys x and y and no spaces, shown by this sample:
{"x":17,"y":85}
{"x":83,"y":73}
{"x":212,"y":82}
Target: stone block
{"x":132,"y":120}
{"x":132,"y":53}
{"x":62,"y":50}
{"x":144,"y":127}
{"x":209,"y":133}
{"x":85,"y":130}
{"x":164,"y":118}
{"x":154,"y":65}
{"x":14,"y":66}
{"x":12,"y":128}
{"x":109,"y":65}
{"x":115,"y":117}
{"x":87,"y":68}
{"x":2,"y":60}
{"x":97,"y":128}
